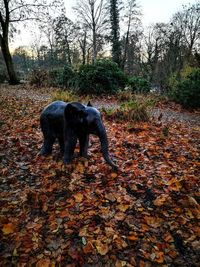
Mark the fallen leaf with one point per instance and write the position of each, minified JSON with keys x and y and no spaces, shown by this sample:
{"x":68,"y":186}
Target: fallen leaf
{"x":78,"y":197}
{"x":160,"y":200}
{"x":113,"y":175}
{"x":43,"y":263}
{"x":88,"y":248}
{"x":8,"y":229}
{"x":132,"y":237}
{"x":123,"y":207}
{"x":102,"y":248}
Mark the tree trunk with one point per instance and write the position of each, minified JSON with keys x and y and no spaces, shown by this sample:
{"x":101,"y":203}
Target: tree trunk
{"x":84,"y":48}
{"x":126,"y":45}
{"x":8,"y":60}
{"x":94,"y":58}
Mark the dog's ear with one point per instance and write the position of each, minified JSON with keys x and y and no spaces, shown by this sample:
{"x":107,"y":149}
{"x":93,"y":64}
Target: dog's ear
{"x":89,"y":104}
{"x":74,"y":109}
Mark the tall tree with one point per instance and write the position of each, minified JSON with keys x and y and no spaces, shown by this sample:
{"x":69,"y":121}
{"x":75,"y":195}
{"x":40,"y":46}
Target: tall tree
{"x":115,"y":31}
{"x":12,"y":12}
{"x":83,"y":42}
{"x":93,"y":15}
{"x":188,"y":22}
{"x":132,"y":24}
{"x":65,"y":34}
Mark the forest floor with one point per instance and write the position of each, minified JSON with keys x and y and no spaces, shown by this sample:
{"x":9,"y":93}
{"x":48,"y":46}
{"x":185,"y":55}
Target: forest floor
{"x":85,"y":214}
{"x":170,"y":111}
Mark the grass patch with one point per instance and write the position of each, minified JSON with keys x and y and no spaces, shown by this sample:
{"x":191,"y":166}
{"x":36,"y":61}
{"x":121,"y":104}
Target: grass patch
{"x":133,"y":107}
{"x":66,"y":96}
{"x":129,"y":111}
{"x":123,"y":96}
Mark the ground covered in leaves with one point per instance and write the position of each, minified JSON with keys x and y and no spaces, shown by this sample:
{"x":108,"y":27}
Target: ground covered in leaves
{"x":145,"y":214}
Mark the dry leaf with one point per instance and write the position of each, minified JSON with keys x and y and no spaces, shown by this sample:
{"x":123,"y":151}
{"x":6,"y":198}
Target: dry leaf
{"x":8,"y":228}
{"x":101,"y":247}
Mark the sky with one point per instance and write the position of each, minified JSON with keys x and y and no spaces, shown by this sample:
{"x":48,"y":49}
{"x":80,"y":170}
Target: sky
{"x":153,"y":11}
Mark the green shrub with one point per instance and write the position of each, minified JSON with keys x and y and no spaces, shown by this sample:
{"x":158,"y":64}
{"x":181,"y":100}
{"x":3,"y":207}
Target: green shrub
{"x":62,"y":77}
{"x":103,"y":77}
{"x":139,"y":85}
{"x":69,"y":77}
{"x":39,"y":78}
{"x":187,"y":91}
{"x":55,"y":77}
{"x":175,"y":77}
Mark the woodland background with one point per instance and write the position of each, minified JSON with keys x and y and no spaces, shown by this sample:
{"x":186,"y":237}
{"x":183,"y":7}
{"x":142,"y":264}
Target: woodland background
{"x":146,"y":83}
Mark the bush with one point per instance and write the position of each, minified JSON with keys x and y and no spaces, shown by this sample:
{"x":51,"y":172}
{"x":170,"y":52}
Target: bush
{"x":175,"y":78}
{"x":62,"y":77}
{"x":69,"y":77}
{"x":39,"y":78}
{"x":103,"y":77}
{"x":187,"y":91}
{"x":55,"y":77}
{"x":139,"y":85}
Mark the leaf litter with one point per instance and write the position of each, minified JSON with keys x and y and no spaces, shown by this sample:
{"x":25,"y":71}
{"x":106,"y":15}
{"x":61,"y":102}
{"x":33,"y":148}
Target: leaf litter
{"x":85,"y":214}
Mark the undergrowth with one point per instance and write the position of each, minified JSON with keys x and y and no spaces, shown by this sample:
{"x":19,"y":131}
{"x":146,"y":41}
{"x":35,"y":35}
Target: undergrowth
{"x":133,"y":109}
{"x":66,"y":96}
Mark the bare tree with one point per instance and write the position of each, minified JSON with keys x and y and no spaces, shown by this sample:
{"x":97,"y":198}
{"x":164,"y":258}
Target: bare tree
{"x":187,"y":21}
{"x":92,"y":14}
{"x":156,"y":46}
{"x":12,"y":12}
{"x":65,"y":34}
{"x":132,"y":23}
{"x":83,"y":39}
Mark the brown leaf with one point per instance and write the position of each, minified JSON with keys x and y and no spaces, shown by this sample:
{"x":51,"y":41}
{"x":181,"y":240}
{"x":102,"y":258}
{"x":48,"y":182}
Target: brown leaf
{"x":160,"y":200}
{"x":43,"y":263}
{"x":78,"y":197}
{"x":123,"y":207}
{"x":102,"y":248}
{"x":8,"y":228}
{"x":88,"y":248}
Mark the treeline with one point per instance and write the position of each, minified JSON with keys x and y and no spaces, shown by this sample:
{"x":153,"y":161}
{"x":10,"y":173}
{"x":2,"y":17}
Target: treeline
{"x":162,"y":54}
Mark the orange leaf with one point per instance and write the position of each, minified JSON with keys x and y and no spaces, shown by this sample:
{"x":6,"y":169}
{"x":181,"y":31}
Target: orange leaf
{"x":110,"y":197}
{"x":168,"y":238}
{"x":154,"y":222}
{"x":181,"y":159}
{"x":119,"y":216}
{"x":80,"y":167}
{"x":123,"y":207}
{"x":64,"y":213}
{"x":83,"y":232}
{"x":43,"y":263}
{"x":8,"y":228}
{"x":101,"y":248}
{"x":113,"y":175}
{"x":159,"y":257}
{"x":132,"y":237}
{"x":78,"y":197}
{"x":159,"y":201}
{"x":172,"y":254}
{"x":167,"y":155}
{"x":120,"y":242}
{"x":88,"y":248}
